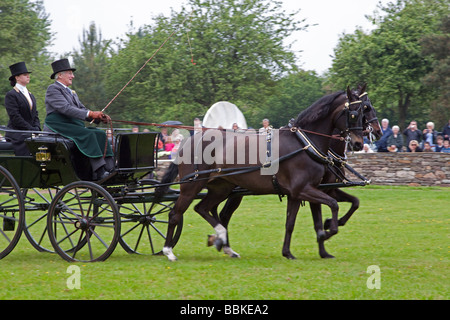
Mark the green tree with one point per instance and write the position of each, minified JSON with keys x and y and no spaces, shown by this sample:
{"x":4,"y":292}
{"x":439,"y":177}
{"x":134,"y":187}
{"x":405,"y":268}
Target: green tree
{"x":91,"y":64}
{"x":438,"y":47}
{"x":239,"y":54}
{"x":390,"y":58}
{"x":24,"y":36}
{"x":294,"y":93}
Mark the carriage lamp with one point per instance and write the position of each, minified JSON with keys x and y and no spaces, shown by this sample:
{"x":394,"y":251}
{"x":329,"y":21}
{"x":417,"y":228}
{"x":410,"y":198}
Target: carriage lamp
{"x":43,"y":156}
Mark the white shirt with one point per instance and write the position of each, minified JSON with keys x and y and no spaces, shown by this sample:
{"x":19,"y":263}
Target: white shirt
{"x":25,"y":92}
{"x":265,"y":130}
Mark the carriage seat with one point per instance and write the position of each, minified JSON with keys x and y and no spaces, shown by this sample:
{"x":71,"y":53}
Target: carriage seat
{"x":51,"y":139}
{"x":6,"y":147}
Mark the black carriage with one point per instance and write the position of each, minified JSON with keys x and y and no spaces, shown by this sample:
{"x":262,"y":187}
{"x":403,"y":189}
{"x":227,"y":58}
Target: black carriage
{"x":49,"y":197}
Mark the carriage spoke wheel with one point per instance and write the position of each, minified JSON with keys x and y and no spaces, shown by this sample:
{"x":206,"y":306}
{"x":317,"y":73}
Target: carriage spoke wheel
{"x":144,"y":226}
{"x":145,"y":233}
{"x":12,"y":212}
{"x":37,"y":202}
{"x":83,"y":223}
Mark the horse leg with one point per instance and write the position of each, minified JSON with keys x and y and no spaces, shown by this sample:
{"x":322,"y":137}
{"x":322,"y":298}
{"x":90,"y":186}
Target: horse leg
{"x":291,"y":215}
{"x":342,"y":196}
{"x":227,"y":211}
{"x":181,"y":205}
{"x":213,"y":237}
{"x":216,"y":194}
{"x":314,"y":195}
{"x":316,"y":211}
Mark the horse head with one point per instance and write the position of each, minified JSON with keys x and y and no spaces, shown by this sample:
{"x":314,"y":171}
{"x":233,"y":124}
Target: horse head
{"x":370,"y":120}
{"x":350,"y":121}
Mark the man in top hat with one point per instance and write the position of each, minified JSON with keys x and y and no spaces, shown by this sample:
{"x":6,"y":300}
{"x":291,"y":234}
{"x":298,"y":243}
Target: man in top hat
{"x":66,"y":116}
{"x":21,"y":108}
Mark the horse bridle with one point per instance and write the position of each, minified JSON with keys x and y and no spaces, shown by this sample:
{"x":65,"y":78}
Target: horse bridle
{"x":368,"y":105}
{"x":351,"y":117}
{"x":354,"y":116}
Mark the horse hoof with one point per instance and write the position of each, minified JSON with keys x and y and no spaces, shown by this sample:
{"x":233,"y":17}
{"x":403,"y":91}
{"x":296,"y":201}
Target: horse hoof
{"x":211,"y":239}
{"x":327,"y":256}
{"x":218,"y":243}
{"x":169,"y":254}
{"x":227,"y":250}
{"x":289,"y":256}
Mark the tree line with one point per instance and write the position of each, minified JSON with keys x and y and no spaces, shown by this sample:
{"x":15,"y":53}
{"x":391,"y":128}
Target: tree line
{"x":236,"y":50}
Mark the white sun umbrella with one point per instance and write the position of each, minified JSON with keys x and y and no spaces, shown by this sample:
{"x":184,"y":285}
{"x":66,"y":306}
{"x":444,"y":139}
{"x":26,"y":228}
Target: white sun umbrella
{"x":224,"y":114}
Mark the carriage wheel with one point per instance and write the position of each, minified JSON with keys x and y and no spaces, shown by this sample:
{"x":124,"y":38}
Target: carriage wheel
{"x":83,"y":222}
{"x":12,"y":212}
{"x":144,"y":226}
{"x":37,"y":202}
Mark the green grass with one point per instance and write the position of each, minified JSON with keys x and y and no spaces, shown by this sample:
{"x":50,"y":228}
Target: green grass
{"x":403,"y":230}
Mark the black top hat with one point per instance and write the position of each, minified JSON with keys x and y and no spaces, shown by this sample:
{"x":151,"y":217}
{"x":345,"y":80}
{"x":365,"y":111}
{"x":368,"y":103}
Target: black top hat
{"x":18,"y":69}
{"x":59,"y":66}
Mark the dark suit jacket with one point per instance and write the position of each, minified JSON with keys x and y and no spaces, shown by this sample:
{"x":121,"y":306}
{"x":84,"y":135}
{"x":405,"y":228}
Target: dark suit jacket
{"x":21,"y":117}
{"x":58,"y":99}
{"x":64,"y":112}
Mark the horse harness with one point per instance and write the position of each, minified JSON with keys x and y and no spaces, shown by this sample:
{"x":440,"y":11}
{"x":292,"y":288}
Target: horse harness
{"x":331,"y":159}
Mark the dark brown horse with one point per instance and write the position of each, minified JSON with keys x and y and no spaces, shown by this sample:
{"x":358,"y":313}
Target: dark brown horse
{"x":300,"y":166}
{"x":333,"y":174}
{"x":372,"y":126}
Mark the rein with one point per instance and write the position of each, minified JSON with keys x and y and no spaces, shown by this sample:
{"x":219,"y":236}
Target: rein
{"x":351,"y":117}
{"x":152,"y":124}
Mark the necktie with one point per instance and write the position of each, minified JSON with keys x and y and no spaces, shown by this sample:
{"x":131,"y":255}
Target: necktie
{"x":72,"y":95}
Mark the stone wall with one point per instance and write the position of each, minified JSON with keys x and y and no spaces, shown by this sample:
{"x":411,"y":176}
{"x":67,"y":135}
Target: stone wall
{"x":385,"y":168}
{"x":404,"y":168}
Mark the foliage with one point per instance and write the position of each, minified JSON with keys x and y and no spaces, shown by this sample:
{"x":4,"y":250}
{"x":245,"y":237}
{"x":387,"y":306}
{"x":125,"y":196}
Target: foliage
{"x":91,"y":64}
{"x":24,"y":36}
{"x":390,"y":58}
{"x":293,"y":94}
{"x":238,"y":54}
{"x":437,"y":46}
{"x":235,"y":50}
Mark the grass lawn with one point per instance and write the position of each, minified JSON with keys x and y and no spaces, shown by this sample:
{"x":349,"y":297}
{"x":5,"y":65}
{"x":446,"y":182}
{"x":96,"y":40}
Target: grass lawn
{"x":402,"y":230}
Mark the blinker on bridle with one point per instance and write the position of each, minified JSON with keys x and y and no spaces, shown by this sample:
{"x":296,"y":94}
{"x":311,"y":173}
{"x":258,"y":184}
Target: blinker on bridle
{"x":352,"y":116}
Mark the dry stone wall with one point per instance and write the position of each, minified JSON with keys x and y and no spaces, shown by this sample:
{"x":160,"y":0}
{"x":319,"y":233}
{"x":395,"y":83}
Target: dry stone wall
{"x":385,"y":168}
{"x":403,"y":168}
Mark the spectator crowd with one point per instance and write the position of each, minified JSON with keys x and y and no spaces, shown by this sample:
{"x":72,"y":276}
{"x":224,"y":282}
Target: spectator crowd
{"x":412,"y":139}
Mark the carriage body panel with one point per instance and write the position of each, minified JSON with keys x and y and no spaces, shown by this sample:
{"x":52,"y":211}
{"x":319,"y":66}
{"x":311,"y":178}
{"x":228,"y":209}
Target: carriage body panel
{"x":56,"y":161}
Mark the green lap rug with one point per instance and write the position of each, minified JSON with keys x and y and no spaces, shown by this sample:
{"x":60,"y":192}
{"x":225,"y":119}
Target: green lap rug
{"x":90,"y":141}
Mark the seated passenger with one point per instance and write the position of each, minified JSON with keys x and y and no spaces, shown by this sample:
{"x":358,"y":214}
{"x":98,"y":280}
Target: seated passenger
{"x":21,"y":107}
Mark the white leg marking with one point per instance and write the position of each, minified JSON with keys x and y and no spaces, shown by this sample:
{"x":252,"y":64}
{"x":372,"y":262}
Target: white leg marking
{"x":230,"y":252}
{"x":169,"y":254}
{"x":221,"y":232}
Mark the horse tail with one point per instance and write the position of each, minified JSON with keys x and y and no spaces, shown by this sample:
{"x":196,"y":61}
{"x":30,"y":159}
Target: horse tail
{"x":169,"y":176}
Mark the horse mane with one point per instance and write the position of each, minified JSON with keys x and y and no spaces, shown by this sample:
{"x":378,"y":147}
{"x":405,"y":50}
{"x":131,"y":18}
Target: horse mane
{"x":318,"y":110}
